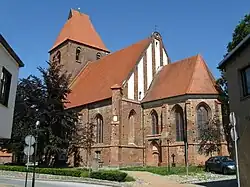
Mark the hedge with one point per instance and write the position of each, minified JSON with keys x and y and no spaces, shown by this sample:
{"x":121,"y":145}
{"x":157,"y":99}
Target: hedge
{"x":111,"y":175}
{"x":50,"y":171}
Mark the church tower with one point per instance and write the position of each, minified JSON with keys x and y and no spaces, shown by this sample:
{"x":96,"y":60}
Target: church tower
{"x":77,"y":44}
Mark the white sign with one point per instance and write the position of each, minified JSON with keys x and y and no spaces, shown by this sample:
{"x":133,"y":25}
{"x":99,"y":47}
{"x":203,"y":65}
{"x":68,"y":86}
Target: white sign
{"x":30,"y":140}
{"x":28,"y":150}
{"x":115,"y":118}
{"x":232,"y":118}
{"x":234,"y":135}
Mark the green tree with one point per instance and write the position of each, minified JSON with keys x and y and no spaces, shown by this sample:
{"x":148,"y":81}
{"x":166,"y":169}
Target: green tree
{"x":240,"y":32}
{"x":29,"y":91}
{"x":210,"y":137}
{"x":58,"y":123}
{"x":44,"y":100}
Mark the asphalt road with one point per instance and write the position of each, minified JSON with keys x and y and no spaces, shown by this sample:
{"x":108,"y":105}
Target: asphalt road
{"x":41,"y":183}
{"x":224,"y":183}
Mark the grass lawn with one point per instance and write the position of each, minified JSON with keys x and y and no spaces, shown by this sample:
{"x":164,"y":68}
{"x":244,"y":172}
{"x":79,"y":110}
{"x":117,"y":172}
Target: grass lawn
{"x":164,"y":170}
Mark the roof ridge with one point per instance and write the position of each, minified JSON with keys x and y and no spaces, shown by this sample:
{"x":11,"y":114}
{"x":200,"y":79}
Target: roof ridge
{"x":71,"y":84}
{"x":124,"y":59}
{"x":155,"y":78}
{"x":212,"y":79}
{"x":184,"y":59}
{"x":191,"y":78}
{"x":78,"y":74}
{"x":79,"y":28}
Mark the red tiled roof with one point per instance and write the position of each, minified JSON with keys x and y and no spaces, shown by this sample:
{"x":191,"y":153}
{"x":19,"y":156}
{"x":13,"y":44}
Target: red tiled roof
{"x":79,"y":28}
{"x":95,"y":81}
{"x":187,"y":76}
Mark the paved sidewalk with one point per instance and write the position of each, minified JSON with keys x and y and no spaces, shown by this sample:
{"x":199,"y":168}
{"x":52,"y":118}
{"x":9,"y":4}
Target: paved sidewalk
{"x":152,"y":180}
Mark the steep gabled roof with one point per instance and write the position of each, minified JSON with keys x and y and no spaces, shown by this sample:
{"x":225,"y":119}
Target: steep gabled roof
{"x":79,"y":28}
{"x":96,"y":79}
{"x":187,"y":76}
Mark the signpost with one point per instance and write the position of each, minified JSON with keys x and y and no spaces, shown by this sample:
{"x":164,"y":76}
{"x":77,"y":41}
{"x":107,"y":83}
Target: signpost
{"x":28,"y":151}
{"x":235,"y":138}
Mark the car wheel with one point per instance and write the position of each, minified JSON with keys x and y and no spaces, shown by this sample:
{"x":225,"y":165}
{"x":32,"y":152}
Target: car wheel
{"x":224,"y":171}
{"x":207,"y":169}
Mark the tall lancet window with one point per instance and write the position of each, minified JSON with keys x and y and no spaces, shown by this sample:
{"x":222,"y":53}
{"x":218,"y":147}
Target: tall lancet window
{"x":179,"y":122}
{"x":78,"y":52}
{"x":155,"y":125}
{"x":99,"y":129}
{"x":131,"y":136}
{"x":203,"y":113}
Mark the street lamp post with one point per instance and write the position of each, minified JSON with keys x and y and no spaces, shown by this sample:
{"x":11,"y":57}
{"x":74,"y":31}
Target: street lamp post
{"x":168,"y":156}
{"x":186,"y":137}
{"x":34,"y":168}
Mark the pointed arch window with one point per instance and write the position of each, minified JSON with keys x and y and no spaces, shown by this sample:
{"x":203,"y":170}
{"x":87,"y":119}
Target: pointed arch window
{"x":99,"y":129}
{"x":98,"y":56}
{"x":179,"y":122}
{"x":203,"y":113}
{"x":131,"y":134}
{"x":78,"y":52}
{"x":155,"y":125}
{"x":58,"y":57}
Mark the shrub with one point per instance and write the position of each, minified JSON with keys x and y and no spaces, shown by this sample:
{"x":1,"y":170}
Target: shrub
{"x":111,"y":175}
{"x":50,"y":171}
{"x":129,"y":179}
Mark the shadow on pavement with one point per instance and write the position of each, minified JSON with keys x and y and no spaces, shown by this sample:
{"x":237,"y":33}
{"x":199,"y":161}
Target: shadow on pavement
{"x":224,"y":183}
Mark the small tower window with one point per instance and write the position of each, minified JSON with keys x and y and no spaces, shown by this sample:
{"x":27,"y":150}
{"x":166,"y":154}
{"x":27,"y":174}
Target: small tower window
{"x":58,"y":57}
{"x":78,"y":52}
{"x":139,"y":95}
{"x":98,"y":56}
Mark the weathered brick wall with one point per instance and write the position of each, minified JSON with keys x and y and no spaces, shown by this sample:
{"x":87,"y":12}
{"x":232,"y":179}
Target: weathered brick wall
{"x":148,"y":119}
{"x":104,"y":109}
{"x":68,"y":56}
{"x":150,"y":157}
{"x":131,"y":156}
{"x":5,"y":157}
{"x":131,"y":153}
{"x":127,"y":107}
{"x":88,"y":114}
{"x":169,"y":127}
{"x":142,"y":150}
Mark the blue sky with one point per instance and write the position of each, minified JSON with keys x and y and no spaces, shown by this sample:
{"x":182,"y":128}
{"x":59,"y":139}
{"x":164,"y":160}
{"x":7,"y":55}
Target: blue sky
{"x":188,"y":27}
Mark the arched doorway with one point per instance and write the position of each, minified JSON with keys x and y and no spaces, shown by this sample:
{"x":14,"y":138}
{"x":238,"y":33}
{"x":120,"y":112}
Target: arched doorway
{"x":155,"y":154}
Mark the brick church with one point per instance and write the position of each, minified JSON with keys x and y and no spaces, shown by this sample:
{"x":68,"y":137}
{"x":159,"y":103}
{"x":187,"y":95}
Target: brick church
{"x":138,"y":99}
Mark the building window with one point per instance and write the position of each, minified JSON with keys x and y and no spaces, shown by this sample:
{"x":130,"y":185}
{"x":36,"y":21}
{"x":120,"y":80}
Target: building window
{"x":5,"y":86}
{"x":98,"y":155}
{"x":245,"y":74}
{"x":58,"y":57}
{"x":155,"y":125}
{"x":202,"y":117}
{"x":78,"y":52}
{"x":131,"y":136}
{"x":139,"y":95}
{"x":98,"y":56}
{"x":99,"y":129}
{"x":179,"y":122}
{"x":54,"y":58}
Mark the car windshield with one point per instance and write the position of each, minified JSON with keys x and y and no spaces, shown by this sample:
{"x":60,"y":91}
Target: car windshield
{"x":226,"y":159}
